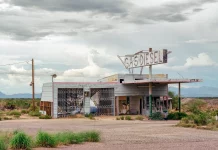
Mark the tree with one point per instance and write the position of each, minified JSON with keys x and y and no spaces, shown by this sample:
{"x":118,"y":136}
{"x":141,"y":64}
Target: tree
{"x":175,"y":99}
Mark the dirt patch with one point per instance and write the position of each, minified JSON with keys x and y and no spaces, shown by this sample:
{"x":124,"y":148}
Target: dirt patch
{"x":121,"y":134}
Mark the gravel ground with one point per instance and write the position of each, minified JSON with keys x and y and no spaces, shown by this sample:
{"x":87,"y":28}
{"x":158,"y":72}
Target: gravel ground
{"x":128,"y":135}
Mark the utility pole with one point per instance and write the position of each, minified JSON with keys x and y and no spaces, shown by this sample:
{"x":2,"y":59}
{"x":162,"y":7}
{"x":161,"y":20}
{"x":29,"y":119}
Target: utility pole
{"x":150,"y":87}
{"x":33,"y":85}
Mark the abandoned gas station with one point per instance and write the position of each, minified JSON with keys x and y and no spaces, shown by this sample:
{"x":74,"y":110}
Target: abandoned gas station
{"x":117,"y":94}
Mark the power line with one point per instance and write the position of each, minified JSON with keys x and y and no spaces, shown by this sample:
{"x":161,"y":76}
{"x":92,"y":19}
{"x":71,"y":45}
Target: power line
{"x":15,"y":63}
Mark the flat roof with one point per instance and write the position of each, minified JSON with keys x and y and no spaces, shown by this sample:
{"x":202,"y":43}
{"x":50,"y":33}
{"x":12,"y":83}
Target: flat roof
{"x":163,"y":81}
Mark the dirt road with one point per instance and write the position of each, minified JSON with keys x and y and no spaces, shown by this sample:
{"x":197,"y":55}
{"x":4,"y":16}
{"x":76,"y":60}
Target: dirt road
{"x":128,"y":135}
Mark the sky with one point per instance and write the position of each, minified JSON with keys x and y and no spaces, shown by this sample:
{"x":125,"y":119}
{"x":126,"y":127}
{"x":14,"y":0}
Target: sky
{"x":79,"y":40}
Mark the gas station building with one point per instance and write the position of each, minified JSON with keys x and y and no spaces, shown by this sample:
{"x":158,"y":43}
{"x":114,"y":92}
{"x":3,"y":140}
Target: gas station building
{"x":119,"y":94}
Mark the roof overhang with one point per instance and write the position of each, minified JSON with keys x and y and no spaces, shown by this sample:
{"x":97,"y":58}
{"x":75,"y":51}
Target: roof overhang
{"x":163,"y":81}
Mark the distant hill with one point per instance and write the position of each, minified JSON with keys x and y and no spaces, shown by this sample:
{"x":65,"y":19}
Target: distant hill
{"x":19,"y":95}
{"x":203,"y":91}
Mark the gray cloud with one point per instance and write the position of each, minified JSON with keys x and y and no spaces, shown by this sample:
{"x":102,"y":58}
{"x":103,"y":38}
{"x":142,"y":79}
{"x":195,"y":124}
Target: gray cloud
{"x":39,"y":18}
{"x":117,"y":6}
{"x":197,"y":9}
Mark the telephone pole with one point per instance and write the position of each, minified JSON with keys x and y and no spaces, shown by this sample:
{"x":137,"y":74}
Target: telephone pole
{"x":33,"y":85}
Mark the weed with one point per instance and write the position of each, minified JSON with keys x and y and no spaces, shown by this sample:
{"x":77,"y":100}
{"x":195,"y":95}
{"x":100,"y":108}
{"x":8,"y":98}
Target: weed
{"x":21,"y":141}
{"x":35,"y":113}
{"x":45,"y":117}
{"x":128,"y":118}
{"x":122,"y":117}
{"x":139,"y":118}
{"x":3,"y":145}
{"x":90,"y":116}
{"x":91,"y":136}
{"x":17,"y":116}
{"x":156,"y":116}
{"x":176,"y":116}
{"x":24,"y":111}
{"x":6,"y":118}
{"x":13,"y":113}
{"x":44,"y":139}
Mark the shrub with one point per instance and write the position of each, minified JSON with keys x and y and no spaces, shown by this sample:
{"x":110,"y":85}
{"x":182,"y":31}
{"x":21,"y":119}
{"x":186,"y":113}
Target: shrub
{"x":63,"y":138}
{"x":35,"y":113}
{"x":139,"y":118}
{"x":3,"y":145}
{"x":21,"y":141}
{"x":176,"y":116}
{"x":24,"y":111}
{"x":118,"y":118}
{"x":17,"y":116}
{"x":44,"y":139}
{"x":45,"y":117}
{"x":1,"y":113}
{"x":90,"y":116}
{"x":11,"y":113}
{"x":0,"y":119}
{"x":156,"y":116}
{"x":31,"y":108}
{"x":194,"y":106}
{"x":122,"y":117}
{"x":90,"y":136}
{"x":128,"y":118}
{"x":76,"y":138}
{"x":6,"y":118}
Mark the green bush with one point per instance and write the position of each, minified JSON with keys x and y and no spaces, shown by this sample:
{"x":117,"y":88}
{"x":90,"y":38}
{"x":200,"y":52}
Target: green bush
{"x":44,"y":139}
{"x":76,"y":138}
{"x":90,"y":116}
{"x":176,"y":116}
{"x":122,"y":117}
{"x":128,"y":118}
{"x":90,"y":136}
{"x":35,"y":113}
{"x":118,"y":118}
{"x":156,"y":116}
{"x":11,"y":113}
{"x":21,"y":141}
{"x":45,"y":117}
{"x":3,"y":145}
{"x":194,"y":106}
{"x":139,"y":118}
{"x":201,"y":119}
{"x":24,"y":111}
{"x":67,"y":138}
{"x":63,"y":138}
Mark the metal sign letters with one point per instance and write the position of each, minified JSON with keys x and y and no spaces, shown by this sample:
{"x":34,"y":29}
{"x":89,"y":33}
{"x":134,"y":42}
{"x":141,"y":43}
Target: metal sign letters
{"x":142,"y":59}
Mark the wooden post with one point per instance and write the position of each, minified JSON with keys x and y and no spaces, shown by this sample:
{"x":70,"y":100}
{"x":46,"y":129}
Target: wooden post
{"x":33,"y":86}
{"x":150,"y":87}
{"x":179,"y":97}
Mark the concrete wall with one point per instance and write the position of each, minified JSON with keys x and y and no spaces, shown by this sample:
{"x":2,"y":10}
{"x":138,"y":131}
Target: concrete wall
{"x":134,"y":90}
{"x":119,"y":89}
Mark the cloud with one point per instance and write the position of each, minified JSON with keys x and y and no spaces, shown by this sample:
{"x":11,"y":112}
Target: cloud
{"x":30,"y":20}
{"x":201,"y":60}
{"x":103,"y":6}
{"x":92,"y":70}
{"x":201,"y":41}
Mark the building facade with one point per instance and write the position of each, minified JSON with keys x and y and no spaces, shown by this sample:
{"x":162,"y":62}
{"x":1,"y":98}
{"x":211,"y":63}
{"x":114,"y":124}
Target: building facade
{"x":113,"y":95}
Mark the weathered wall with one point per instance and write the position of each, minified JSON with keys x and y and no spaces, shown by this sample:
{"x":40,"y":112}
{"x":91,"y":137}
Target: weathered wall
{"x":47,"y":92}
